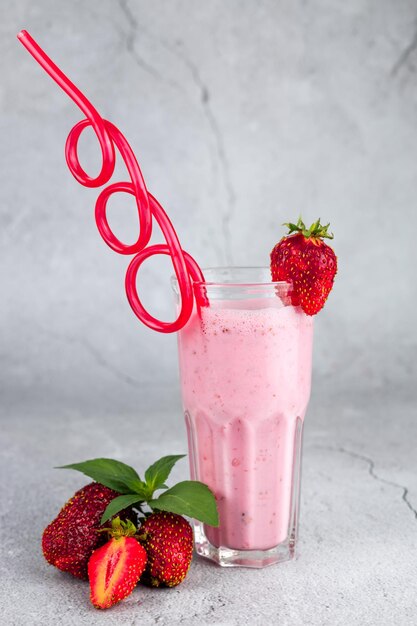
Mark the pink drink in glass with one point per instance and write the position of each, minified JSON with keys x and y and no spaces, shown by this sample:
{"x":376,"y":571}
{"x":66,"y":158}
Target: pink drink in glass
{"x":245,"y":366}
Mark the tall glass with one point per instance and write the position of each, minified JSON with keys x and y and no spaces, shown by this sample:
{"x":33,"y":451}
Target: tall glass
{"x":245,"y":368}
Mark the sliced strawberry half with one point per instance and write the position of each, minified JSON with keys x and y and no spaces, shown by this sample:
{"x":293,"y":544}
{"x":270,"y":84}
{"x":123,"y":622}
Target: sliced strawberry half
{"x":115,"y":568}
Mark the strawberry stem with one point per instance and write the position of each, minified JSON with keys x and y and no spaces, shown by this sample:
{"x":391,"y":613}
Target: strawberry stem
{"x":316,"y":230}
{"x":119,"y":529}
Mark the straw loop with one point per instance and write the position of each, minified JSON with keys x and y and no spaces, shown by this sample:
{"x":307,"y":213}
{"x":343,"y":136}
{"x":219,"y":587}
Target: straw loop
{"x":107,"y":150}
{"x":109,"y":138}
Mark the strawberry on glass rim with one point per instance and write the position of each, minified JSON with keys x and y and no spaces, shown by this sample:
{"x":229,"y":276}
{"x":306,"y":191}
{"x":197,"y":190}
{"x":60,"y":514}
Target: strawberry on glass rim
{"x":304,"y":259}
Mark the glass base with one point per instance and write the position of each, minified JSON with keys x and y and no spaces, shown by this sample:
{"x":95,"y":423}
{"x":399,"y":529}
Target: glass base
{"x":258,"y":558}
{"x":226,"y":557}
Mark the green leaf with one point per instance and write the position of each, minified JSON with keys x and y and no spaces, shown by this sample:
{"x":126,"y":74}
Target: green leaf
{"x":118,"y":504}
{"x":157,"y":473}
{"x":139,"y":487}
{"x":113,"y":474}
{"x":191,"y":498}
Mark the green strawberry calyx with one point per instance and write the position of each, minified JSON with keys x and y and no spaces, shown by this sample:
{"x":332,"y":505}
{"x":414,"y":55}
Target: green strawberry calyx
{"x":118,"y":529}
{"x":189,"y":497}
{"x":316,"y":230}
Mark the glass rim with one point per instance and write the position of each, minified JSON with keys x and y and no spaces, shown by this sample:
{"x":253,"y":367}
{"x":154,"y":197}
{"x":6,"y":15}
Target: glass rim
{"x":215,"y":283}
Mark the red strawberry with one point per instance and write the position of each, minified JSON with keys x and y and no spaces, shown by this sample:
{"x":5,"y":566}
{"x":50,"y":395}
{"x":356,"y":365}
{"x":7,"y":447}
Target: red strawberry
{"x":115,"y":568}
{"x":70,"y":539}
{"x":168,"y":541}
{"x":305,"y":260}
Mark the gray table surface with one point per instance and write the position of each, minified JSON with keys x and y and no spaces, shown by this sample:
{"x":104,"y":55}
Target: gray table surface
{"x":358,"y":542}
{"x":242,"y":114}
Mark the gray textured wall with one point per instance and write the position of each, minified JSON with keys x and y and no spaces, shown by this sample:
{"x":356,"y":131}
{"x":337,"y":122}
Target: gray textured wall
{"x":242,"y":114}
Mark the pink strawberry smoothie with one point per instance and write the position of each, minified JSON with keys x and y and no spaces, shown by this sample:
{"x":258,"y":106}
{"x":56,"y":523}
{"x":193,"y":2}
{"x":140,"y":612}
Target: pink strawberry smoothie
{"x":245,"y":376}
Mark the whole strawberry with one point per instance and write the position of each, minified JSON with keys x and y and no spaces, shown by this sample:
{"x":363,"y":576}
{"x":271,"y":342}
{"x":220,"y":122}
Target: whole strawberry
{"x":168,"y":541}
{"x":70,"y":539}
{"x":115,"y":568}
{"x":167,"y":537}
{"x":305,"y":260}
